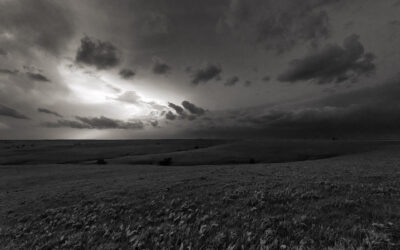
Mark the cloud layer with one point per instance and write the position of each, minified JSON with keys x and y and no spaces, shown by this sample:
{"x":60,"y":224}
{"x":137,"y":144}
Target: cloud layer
{"x":160,"y":67}
{"x":193,"y":109}
{"x":37,"y":77}
{"x":44,"y":24}
{"x":127,"y":73}
{"x":100,"y":54}
{"x":10,"y":112}
{"x":231,"y":81}
{"x":129,"y":60}
{"x":50,"y":112}
{"x":95,"y":123}
{"x":278,"y":26}
{"x":207,"y":73}
{"x":332,"y":64}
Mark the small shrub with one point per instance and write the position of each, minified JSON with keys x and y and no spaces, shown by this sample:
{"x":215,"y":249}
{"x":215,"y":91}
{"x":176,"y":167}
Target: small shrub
{"x":101,"y":162}
{"x":165,"y":162}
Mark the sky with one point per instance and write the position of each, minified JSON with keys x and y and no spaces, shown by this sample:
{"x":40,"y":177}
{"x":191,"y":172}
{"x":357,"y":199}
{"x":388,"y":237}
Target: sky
{"x":134,"y":69}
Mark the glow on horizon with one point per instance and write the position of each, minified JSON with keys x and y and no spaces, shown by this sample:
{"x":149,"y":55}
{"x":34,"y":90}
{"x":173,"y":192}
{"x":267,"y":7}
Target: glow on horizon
{"x":104,"y":88}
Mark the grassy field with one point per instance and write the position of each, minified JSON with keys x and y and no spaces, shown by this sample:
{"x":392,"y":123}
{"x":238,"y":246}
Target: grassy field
{"x":348,"y":200}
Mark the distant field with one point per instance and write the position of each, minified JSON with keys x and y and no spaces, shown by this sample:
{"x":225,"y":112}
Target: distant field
{"x":350,"y":200}
{"x":181,"y":152}
{"x":76,"y":151}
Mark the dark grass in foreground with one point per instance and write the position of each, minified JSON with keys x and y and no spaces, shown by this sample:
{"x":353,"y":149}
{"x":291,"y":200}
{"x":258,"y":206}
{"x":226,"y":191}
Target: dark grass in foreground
{"x":349,"y":202}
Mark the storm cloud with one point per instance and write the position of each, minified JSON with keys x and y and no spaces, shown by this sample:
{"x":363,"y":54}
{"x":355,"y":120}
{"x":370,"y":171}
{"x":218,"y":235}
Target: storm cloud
{"x":193,"y":109}
{"x":181,"y":113}
{"x":266,"y":79}
{"x":66,"y":124}
{"x":37,"y":77}
{"x":247,"y":83}
{"x":3,"y":52}
{"x":44,"y":24}
{"x":10,"y":112}
{"x":278,"y":26}
{"x":127,"y":59}
{"x":160,"y":67}
{"x":127,"y":73}
{"x":326,"y":122}
{"x":95,"y":123}
{"x":178,"y":109}
{"x":332,"y":64}
{"x":8,"y":72}
{"x":100,"y":54}
{"x":50,"y":112}
{"x":209,"y":72}
{"x":170,"y":116}
{"x":367,"y":112}
{"x":231,"y":81}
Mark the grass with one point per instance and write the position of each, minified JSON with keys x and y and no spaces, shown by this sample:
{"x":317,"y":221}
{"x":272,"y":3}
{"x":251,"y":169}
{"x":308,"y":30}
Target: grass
{"x":347,"y":202}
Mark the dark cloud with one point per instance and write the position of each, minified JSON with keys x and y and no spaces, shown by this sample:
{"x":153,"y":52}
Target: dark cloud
{"x":160,"y":67}
{"x":95,"y":123}
{"x":332,"y":64}
{"x":348,"y":25}
{"x":37,"y":77}
{"x":231,"y":81}
{"x":327,"y":121}
{"x":107,"y":123}
{"x":181,"y":114}
{"x":369,"y":112}
{"x":3,"y":52}
{"x":47,"y":111}
{"x":178,"y":109}
{"x":46,"y":24}
{"x":359,"y":121}
{"x":385,"y":95}
{"x":297,"y":26}
{"x":193,"y":109}
{"x":6,"y":111}
{"x":278,"y":26}
{"x":154,"y":123}
{"x":127,"y":73}
{"x":100,"y":54}
{"x":395,"y":23}
{"x":188,"y":69}
{"x":8,"y":72}
{"x":266,"y":78}
{"x":170,"y":116}
{"x":66,"y":124}
{"x":209,"y":72}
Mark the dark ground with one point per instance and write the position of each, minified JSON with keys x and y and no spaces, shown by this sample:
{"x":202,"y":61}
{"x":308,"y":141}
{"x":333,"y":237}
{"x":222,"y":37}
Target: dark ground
{"x":350,"y":200}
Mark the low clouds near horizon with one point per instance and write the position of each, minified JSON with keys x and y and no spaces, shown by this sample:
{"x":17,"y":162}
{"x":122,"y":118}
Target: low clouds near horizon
{"x":10,"y":112}
{"x":95,"y":123}
{"x":50,"y":112}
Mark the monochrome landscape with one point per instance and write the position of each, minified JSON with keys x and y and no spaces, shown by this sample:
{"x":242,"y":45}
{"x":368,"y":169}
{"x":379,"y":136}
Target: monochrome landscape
{"x":176,"y":124}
